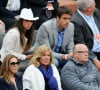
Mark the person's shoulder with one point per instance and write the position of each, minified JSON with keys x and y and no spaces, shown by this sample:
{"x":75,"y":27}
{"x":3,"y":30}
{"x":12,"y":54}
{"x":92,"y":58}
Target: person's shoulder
{"x":71,"y":27}
{"x":75,"y":15}
{"x":53,"y":66}
{"x":18,"y":77}
{"x":2,"y":79}
{"x":69,"y":65}
{"x":13,"y":31}
{"x":1,"y":76}
{"x":48,"y":25}
{"x":71,"y":24}
{"x":30,"y":68}
{"x":3,"y":83}
{"x":76,"y":18}
{"x":49,"y":21}
{"x":96,"y":12}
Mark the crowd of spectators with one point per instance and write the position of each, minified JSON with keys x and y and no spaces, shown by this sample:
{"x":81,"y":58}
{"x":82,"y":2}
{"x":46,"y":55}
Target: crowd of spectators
{"x":65,"y":54}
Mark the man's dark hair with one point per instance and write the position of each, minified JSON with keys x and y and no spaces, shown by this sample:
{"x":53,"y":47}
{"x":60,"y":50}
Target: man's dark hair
{"x":63,"y":10}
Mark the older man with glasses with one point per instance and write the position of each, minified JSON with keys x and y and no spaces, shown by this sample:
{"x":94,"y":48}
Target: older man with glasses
{"x":87,"y":28}
{"x":80,"y":73}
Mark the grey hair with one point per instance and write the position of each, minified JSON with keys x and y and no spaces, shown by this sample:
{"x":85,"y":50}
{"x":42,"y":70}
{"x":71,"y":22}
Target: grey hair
{"x":84,"y":4}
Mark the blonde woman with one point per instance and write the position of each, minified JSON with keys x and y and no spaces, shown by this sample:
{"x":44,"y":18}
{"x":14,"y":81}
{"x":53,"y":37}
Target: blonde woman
{"x":8,"y":78}
{"x":42,"y":74}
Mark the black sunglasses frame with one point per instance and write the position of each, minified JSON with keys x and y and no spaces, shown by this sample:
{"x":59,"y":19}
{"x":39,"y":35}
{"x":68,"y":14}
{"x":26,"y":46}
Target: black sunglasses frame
{"x":14,"y":63}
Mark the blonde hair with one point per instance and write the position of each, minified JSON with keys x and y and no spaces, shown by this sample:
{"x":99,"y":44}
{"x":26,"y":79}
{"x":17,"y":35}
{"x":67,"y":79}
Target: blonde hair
{"x":39,"y":52}
{"x":4,"y":72}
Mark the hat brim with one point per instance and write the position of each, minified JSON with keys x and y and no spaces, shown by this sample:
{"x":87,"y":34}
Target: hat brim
{"x":33,"y":19}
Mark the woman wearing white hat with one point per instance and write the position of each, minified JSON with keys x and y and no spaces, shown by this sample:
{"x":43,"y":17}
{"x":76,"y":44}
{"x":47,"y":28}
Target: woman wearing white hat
{"x":19,"y":39}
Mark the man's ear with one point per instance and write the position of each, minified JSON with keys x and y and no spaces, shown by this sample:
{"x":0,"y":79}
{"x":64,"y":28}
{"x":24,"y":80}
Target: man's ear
{"x":74,"y":54}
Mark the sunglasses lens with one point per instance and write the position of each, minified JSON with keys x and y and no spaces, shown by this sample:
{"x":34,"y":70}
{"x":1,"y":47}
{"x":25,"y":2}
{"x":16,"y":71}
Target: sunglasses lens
{"x":17,"y":63}
{"x":14,"y":63}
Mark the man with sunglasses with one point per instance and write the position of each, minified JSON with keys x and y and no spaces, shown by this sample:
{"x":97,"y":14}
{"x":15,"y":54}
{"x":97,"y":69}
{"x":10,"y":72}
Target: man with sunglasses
{"x":80,"y":73}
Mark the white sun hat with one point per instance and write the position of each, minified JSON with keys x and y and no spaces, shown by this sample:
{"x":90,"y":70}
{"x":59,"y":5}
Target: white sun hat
{"x":27,"y":14}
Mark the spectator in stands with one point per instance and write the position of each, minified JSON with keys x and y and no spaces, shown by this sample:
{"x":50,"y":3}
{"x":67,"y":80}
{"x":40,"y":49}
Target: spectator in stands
{"x":19,"y":39}
{"x":44,"y":9}
{"x":9,"y":11}
{"x":8,"y":78}
{"x":58,"y":34}
{"x":87,"y":27}
{"x":42,"y":74}
{"x":80,"y":73}
{"x":2,"y":27}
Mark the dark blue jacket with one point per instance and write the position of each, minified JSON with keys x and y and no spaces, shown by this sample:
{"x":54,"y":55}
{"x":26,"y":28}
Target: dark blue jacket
{"x":5,"y":86}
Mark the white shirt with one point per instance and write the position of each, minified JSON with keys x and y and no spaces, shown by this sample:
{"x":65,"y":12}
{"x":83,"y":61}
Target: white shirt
{"x":13,"y":5}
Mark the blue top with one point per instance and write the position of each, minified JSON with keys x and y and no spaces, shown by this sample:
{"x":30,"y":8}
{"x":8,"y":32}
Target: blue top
{"x":60,"y":40}
{"x":5,"y":86}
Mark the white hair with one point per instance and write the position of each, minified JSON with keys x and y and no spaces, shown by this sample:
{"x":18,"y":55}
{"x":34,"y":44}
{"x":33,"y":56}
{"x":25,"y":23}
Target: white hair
{"x":84,"y":4}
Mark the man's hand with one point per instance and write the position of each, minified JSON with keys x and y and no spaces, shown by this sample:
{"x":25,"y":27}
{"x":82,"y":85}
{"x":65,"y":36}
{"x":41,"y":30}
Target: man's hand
{"x":67,"y":56}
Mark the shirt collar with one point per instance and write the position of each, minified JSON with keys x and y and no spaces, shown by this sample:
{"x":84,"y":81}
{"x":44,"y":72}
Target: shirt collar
{"x":77,"y":62}
{"x":84,"y":15}
{"x":60,"y":31}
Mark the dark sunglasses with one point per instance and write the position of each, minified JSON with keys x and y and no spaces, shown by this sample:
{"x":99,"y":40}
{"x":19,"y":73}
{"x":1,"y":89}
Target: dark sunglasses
{"x":14,"y":63}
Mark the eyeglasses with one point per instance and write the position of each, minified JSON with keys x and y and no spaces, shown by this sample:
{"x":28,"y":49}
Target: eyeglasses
{"x":14,"y":63}
{"x":82,"y":51}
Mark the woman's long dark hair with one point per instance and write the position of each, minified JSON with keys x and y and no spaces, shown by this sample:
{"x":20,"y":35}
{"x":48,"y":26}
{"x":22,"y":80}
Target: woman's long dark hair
{"x":28,"y":34}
